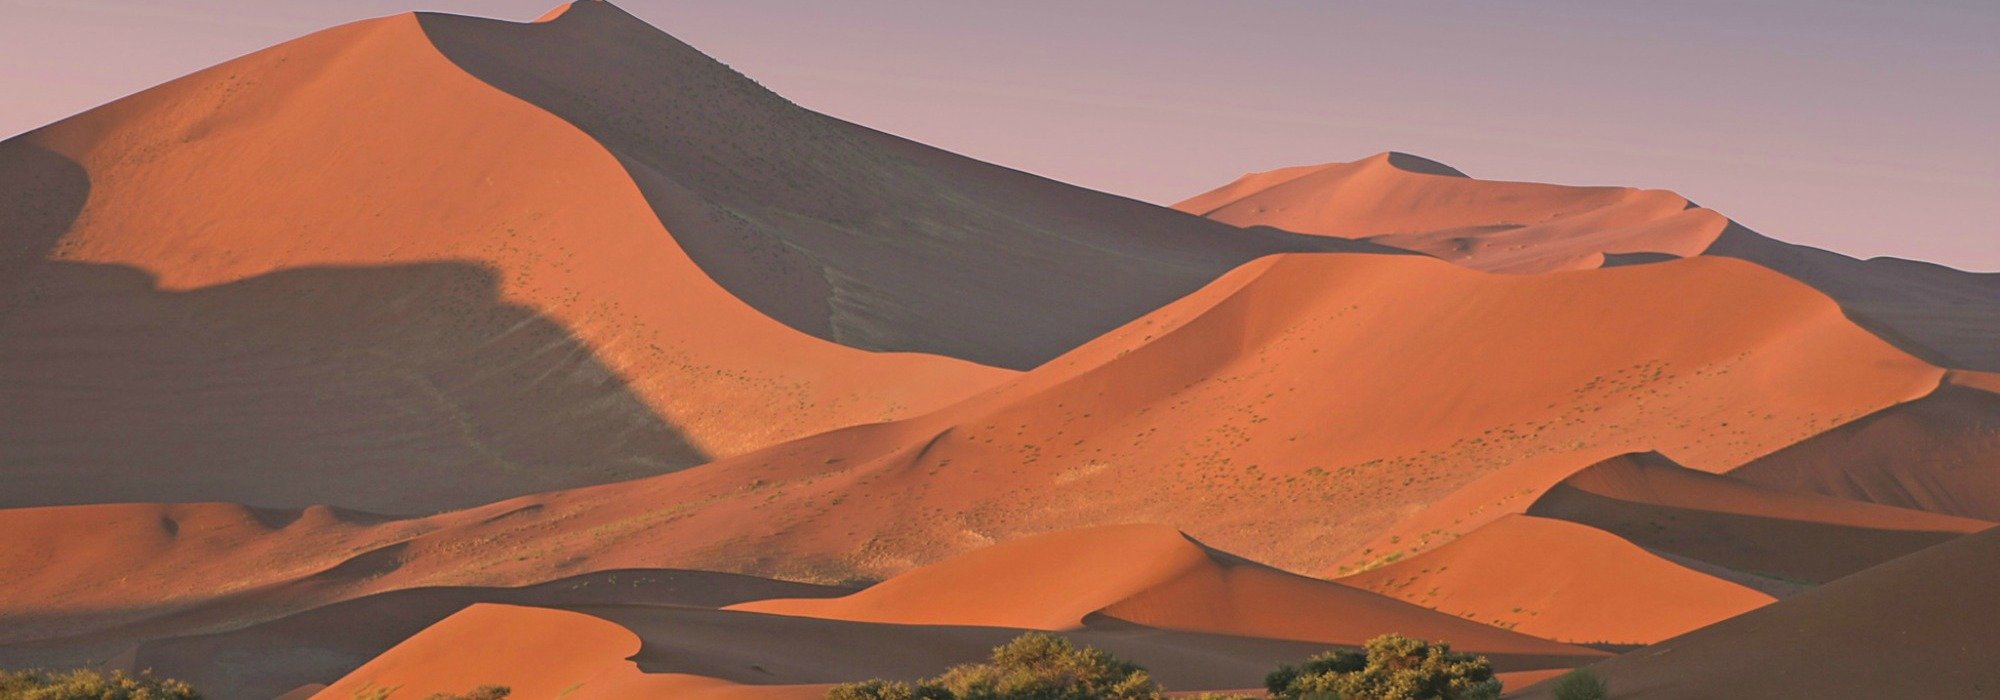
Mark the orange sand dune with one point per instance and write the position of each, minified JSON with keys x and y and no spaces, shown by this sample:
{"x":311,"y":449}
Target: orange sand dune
{"x":1945,"y":315}
{"x":1561,"y":580}
{"x":1940,"y":453}
{"x":1302,"y":404}
{"x":1273,"y":414}
{"x":1201,"y":619}
{"x":634,"y":651}
{"x":842,"y":231}
{"x":344,"y":269}
{"x":1756,"y":530}
{"x":324,"y":644}
{"x":1409,"y":202}
{"x":1923,"y":626}
{"x":1145,"y":574}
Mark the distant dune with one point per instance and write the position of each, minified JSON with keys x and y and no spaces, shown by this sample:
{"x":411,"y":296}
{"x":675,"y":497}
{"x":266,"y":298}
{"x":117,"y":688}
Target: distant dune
{"x":1945,"y":315}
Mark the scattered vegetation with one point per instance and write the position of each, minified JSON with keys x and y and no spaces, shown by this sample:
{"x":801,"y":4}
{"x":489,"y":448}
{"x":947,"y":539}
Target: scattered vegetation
{"x":1038,"y":666}
{"x":1391,"y":667}
{"x":1580,"y":684}
{"x":484,"y":692}
{"x":1034,"y":666}
{"x":83,"y":684}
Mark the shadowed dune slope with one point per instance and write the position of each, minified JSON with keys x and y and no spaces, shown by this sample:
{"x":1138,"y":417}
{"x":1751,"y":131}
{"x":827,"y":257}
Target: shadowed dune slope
{"x":1947,"y":316}
{"x":1303,"y":404}
{"x":841,"y":231}
{"x":1922,"y":626}
{"x":1940,"y":453}
{"x":693,"y":653}
{"x":1753,"y":529}
{"x":533,"y":325}
{"x":1272,"y":414}
{"x":319,"y":646}
{"x":1151,"y":575}
{"x":1560,"y":580}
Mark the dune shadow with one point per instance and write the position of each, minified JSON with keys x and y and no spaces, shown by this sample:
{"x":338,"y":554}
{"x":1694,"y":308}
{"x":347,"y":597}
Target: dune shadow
{"x":1945,"y":316}
{"x":844,"y":232}
{"x":398,"y":389}
{"x":267,"y":658}
{"x":41,"y":194}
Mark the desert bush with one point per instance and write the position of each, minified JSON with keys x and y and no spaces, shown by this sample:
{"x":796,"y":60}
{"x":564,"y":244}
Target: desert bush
{"x":1390,"y":667}
{"x":1580,"y":684}
{"x":84,"y":684}
{"x":484,"y":692}
{"x":1032,"y":667}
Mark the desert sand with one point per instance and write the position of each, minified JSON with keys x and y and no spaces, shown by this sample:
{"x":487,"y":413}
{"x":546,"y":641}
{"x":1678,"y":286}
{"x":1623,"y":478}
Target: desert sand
{"x":431,"y":352}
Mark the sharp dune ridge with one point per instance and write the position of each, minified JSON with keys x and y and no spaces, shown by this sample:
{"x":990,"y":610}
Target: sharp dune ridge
{"x":430,"y":352}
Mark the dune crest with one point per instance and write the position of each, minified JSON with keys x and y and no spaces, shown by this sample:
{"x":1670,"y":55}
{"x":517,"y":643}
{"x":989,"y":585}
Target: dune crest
{"x":1563,"y":581}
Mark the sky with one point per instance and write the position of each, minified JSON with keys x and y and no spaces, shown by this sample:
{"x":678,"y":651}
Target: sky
{"x":1869,"y":128}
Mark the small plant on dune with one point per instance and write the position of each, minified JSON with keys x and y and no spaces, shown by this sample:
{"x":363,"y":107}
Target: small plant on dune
{"x":83,"y":684}
{"x":1390,"y":667}
{"x":1580,"y":684}
{"x":1034,"y":666}
{"x":484,"y":692}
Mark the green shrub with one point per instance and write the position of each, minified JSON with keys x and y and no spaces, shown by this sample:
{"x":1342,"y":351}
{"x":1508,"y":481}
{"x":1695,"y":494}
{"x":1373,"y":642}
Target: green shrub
{"x":1580,"y":684}
{"x":82,"y":684}
{"x":1032,"y":667}
{"x":484,"y":692}
{"x":1391,"y":667}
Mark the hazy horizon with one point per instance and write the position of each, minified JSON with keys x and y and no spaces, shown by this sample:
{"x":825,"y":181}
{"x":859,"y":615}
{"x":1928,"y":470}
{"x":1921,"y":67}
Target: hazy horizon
{"x":1863,"y":129}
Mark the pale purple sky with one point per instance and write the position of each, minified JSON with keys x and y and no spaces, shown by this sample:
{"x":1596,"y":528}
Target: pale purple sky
{"x":1870,"y":128}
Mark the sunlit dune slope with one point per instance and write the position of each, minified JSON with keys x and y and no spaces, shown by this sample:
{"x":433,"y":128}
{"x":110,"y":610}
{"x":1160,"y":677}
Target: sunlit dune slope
{"x":1200,"y":619}
{"x":1290,"y":412}
{"x":344,"y":270}
{"x":321,"y":645}
{"x":1747,"y":528}
{"x":1146,"y":574}
{"x":1940,"y":453}
{"x":1947,"y":316}
{"x":841,"y":231}
{"x":1560,"y":580}
{"x":1920,"y":626}
{"x":1303,"y":404}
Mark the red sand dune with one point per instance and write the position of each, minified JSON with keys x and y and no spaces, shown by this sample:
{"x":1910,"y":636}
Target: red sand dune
{"x":1150,"y":575}
{"x":436,"y":250}
{"x":1756,"y":530}
{"x":1561,"y":580}
{"x":1144,"y":592}
{"x":1917,"y":627}
{"x":1275,"y":409}
{"x":1410,"y":202}
{"x":302,"y":275}
{"x":1303,"y":404}
{"x":321,"y":645}
{"x":1940,"y":453}
{"x":1947,"y":316}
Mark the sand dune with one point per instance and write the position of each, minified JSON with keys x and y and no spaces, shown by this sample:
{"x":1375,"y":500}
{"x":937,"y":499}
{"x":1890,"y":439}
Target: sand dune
{"x":1410,"y":202}
{"x":1940,"y":453}
{"x":1947,"y":316}
{"x":1149,"y":575}
{"x":1564,"y":581}
{"x":303,"y":270}
{"x":1919,"y":626}
{"x":321,"y":645}
{"x":1269,"y":412}
{"x":841,"y":231}
{"x":1756,"y":530}
{"x":1200,"y":618}
{"x":1274,"y":413}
